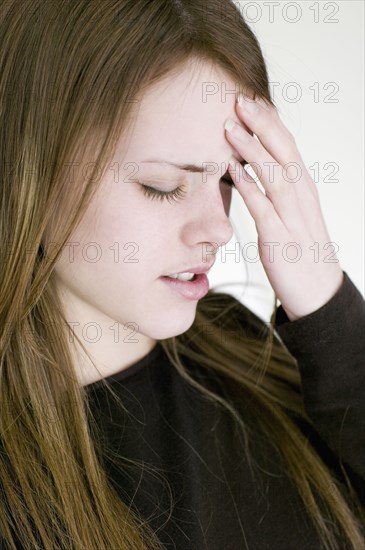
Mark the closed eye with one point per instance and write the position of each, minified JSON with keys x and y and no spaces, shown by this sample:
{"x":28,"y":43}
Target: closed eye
{"x":170,"y":196}
{"x":179,"y":192}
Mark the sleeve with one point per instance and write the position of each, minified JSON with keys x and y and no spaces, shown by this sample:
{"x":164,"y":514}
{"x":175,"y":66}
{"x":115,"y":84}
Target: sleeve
{"x":329,"y":346}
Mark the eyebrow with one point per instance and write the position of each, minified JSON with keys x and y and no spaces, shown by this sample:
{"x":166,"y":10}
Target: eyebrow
{"x":194,"y":168}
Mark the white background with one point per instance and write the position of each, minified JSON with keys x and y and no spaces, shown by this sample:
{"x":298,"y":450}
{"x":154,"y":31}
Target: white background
{"x":304,"y":52}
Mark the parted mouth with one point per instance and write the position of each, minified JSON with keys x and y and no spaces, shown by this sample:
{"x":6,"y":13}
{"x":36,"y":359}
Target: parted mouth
{"x":196,"y":270}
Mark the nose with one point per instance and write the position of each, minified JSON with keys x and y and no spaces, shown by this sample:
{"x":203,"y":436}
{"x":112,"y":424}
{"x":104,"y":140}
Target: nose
{"x":209,"y":222}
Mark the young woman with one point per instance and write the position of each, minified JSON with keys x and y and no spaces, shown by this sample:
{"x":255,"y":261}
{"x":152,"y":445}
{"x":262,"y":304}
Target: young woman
{"x":139,"y":411}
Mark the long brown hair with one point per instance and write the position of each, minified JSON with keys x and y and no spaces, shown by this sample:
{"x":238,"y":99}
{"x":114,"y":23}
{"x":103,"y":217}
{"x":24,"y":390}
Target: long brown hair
{"x":70,"y":73}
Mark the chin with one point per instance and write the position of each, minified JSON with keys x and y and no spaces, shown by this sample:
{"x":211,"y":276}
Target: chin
{"x":169,"y":327}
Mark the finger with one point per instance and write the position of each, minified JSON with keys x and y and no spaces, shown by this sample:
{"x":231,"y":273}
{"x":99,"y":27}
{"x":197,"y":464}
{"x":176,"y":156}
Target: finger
{"x":263,"y":119}
{"x":259,"y":206}
{"x":279,"y":191}
{"x":267,"y":169}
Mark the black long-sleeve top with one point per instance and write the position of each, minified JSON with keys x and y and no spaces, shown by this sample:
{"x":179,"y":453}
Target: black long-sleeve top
{"x":216,"y":504}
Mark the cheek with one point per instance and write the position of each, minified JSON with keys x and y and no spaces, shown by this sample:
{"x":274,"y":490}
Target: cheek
{"x":137,"y":235}
{"x":118,"y":221}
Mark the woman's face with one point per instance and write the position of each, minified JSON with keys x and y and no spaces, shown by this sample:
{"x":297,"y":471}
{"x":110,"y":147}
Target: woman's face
{"x":112,"y":287}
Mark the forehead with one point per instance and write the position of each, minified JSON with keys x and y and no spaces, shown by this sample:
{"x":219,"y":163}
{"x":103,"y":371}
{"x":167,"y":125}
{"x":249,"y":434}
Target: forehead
{"x":181,"y":118}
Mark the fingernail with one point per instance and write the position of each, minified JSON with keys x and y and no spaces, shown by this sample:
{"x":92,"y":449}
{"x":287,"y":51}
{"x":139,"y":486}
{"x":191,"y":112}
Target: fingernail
{"x":229,"y":124}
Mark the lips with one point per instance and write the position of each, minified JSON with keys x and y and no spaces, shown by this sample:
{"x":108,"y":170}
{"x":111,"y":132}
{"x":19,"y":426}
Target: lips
{"x":189,"y":290}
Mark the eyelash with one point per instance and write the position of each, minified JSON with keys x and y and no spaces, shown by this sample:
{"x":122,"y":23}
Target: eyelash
{"x":170,"y":196}
{"x":174,"y":195}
